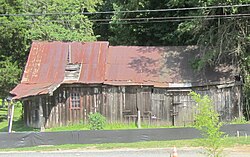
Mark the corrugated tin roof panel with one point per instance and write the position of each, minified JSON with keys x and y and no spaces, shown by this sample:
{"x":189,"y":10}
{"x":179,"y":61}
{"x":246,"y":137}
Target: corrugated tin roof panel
{"x":97,"y":62}
{"x":143,"y":65}
{"x":93,"y":63}
{"x":159,"y":66}
{"x":25,"y":90}
{"x":47,"y":61}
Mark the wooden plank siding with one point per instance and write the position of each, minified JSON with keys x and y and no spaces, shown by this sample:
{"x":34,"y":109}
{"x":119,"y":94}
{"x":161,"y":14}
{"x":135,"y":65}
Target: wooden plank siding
{"x":117,"y":103}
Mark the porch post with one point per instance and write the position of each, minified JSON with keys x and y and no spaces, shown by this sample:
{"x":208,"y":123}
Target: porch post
{"x":41,"y":118}
{"x":11,"y":108}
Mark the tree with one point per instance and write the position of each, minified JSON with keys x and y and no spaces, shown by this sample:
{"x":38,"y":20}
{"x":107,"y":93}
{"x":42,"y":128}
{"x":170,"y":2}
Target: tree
{"x":13,"y":41}
{"x":42,"y":20}
{"x":9,"y":75}
{"x":224,"y":39}
{"x":152,"y":32}
{"x":207,"y":121}
{"x":25,"y":20}
{"x":61,"y":20}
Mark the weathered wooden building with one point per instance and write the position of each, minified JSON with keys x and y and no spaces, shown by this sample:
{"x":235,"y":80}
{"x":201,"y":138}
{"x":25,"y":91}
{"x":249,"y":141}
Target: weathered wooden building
{"x":64,"y":82}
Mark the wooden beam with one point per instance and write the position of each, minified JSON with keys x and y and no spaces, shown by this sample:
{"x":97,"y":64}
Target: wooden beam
{"x":11,"y":108}
{"x":41,"y":118}
{"x":138,"y":119}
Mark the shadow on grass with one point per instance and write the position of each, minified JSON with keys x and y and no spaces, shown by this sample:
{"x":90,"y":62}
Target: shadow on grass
{"x":4,"y":109}
{"x":3,"y":118}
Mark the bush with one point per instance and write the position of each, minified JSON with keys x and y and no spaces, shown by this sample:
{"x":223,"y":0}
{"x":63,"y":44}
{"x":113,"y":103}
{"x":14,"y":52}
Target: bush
{"x":207,"y":121}
{"x":96,"y":121}
{"x":239,"y":120}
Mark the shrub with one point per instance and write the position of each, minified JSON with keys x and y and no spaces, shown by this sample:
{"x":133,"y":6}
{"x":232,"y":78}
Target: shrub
{"x":239,"y":120}
{"x":207,"y":121}
{"x":96,"y":121}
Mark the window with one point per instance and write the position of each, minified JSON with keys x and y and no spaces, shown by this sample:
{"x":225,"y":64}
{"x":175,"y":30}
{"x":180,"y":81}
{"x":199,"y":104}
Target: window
{"x":75,"y":100}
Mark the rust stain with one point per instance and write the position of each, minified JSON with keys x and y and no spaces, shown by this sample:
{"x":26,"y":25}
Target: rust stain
{"x":46,"y":64}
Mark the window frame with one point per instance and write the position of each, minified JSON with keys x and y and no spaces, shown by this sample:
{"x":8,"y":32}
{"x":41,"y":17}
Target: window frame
{"x":75,"y":99}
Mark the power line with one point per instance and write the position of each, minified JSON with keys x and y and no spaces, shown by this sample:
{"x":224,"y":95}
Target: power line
{"x":166,"y":20}
{"x":167,"y":10}
{"x":172,"y":17}
{"x":145,"y":19}
{"x":129,"y":11}
{"x":160,"y":18}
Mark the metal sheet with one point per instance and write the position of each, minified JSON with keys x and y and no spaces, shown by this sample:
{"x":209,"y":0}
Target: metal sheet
{"x":47,"y":61}
{"x":160,"y":67}
{"x":115,"y":65}
{"x":24,"y":90}
{"x":93,"y":61}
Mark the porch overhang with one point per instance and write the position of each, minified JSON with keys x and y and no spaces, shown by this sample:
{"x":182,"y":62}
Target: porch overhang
{"x":24,"y":90}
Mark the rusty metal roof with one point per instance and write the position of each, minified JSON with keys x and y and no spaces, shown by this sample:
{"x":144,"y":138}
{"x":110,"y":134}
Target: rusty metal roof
{"x":24,"y":89}
{"x":46,"y":64}
{"x":50,"y":64}
{"x":160,"y":67}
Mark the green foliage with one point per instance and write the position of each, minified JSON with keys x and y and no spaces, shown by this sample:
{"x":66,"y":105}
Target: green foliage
{"x":18,"y":124}
{"x":70,"y":25}
{"x":199,"y":63}
{"x":246,"y":107}
{"x":207,"y":121}
{"x":128,"y":32}
{"x":240,"y":120}
{"x":9,"y":75}
{"x":49,"y":20}
{"x":39,"y":20}
{"x":96,"y":121}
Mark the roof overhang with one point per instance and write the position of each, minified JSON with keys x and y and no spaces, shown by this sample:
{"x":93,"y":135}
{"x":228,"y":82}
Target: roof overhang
{"x":26,"y":90}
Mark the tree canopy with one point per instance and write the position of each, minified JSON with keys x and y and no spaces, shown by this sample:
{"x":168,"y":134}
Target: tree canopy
{"x":25,"y":20}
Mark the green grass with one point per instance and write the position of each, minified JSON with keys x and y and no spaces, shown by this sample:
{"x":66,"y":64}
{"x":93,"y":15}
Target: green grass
{"x":109,"y":126}
{"x":18,"y":124}
{"x":229,"y":142}
{"x":68,"y":128}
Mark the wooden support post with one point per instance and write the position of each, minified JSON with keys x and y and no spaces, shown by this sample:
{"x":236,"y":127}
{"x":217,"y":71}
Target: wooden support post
{"x":8,"y":116}
{"x":85,"y":116}
{"x":11,"y":116}
{"x":138,"y":119}
{"x":41,"y":118}
{"x":238,"y":133}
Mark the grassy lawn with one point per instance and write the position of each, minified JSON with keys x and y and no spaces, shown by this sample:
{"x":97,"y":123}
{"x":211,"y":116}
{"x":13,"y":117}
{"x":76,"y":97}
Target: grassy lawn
{"x":18,"y":124}
{"x":109,"y":126}
{"x":229,"y":142}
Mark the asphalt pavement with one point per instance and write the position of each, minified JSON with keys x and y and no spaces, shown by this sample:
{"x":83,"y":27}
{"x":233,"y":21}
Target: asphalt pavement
{"x":188,"y":152}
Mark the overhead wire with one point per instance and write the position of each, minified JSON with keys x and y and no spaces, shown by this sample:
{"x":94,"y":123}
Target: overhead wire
{"x":146,"y":19}
{"x":129,"y":11}
{"x":172,"y":17}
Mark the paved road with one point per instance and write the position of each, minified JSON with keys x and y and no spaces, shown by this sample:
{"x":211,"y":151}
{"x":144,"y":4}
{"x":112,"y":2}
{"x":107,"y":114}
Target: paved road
{"x":119,"y":153}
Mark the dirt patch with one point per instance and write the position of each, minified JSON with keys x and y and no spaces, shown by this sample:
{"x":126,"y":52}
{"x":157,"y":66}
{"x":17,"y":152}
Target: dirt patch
{"x":245,"y":149}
